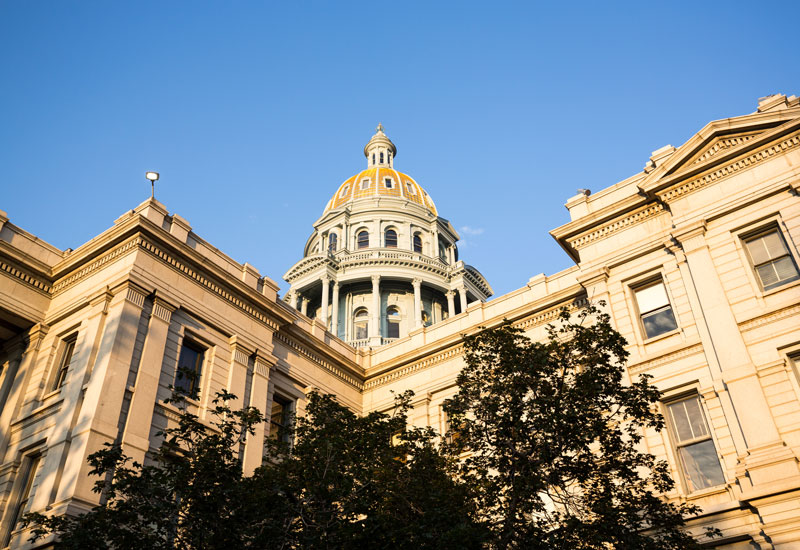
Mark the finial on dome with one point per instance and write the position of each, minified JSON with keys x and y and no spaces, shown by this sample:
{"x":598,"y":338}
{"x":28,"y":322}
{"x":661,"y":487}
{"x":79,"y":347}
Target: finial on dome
{"x":380,"y":151}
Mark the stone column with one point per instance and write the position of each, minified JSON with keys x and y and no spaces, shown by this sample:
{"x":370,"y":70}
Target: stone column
{"x":136,"y":437}
{"x":375,"y":321}
{"x":462,"y":295}
{"x":303,"y":305}
{"x":417,"y":302}
{"x":451,"y":303}
{"x":730,"y":363}
{"x":254,"y":444}
{"x":335,"y":309}
{"x":325,"y":289}
{"x":293,"y":299}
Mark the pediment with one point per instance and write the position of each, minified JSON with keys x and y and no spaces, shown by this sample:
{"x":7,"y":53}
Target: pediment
{"x":718,"y":142}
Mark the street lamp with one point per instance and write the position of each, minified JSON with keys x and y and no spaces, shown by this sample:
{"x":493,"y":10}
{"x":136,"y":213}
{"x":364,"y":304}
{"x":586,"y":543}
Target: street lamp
{"x":153,"y":177}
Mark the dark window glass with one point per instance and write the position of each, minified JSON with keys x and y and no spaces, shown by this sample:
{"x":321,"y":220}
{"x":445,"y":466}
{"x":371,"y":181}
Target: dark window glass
{"x":381,"y":158}
{"x":392,"y":323}
{"x":190,"y":363}
{"x":390,"y":239}
{"x":655,"y":310}
{"x":63,"y":364}
{"x":30,"y":468}
{"x":442,"y":250}
{"x":279,"y":418}
{"x":332,"y":241}
{"x":362,"y":240}
{"x":388,"y":183}
{"x":417,"y":244}
{"x":361,"y":324}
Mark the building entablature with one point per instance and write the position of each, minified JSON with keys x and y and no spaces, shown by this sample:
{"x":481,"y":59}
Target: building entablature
{"x":720,"y":151}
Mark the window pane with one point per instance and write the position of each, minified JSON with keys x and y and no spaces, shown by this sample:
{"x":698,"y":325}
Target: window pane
{"x":774,"y":245}
{"x":701,"y":465}
{"x":391,"y":239}
{"x":651,"y":297}
{"x":785,"y":269}
{"x":768,"y":275}
{"x":680,"y":421}
{"x":696,"y":418}
{"x":188,"y":373}
{"x":659,"y":322}
{"x":363,"y":239}
{"x":393,"y":330}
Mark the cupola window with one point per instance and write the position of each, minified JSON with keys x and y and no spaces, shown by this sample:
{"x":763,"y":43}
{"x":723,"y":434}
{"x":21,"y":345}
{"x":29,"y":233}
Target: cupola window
{"x":388,"y":183}
{"x":417,"y":243}
{"x":362,"y":239}
{"x":365,"y":183}
{"x":373,"y":158}
{"x":410,"y":188}
{"x":381,"y":157}
{"x":361,"y":323}
{"x":332,"y":241}
{"x":392,"y":322}
{"x":390,"y":238}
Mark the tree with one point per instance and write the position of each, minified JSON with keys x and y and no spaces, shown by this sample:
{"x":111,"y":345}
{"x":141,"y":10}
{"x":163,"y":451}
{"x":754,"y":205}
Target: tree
{"x":552,"y":431}
{"x":371,"y":482}
{"x":348,"y":482}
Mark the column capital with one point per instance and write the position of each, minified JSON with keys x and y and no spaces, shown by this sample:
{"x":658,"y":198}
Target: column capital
{"x":335,"y":283}
{"x":690,"y":236}
{"x":263,"y":363}
{"x":376,"y":279}
{"x":325,"y":278}
{"x":240,"y":351}
{"x":416,"y":281}
{"x":450,"y":293}
{"x":162,"y":309}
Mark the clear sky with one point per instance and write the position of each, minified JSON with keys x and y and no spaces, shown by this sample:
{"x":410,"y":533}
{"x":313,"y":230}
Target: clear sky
{"x":255,"y":112}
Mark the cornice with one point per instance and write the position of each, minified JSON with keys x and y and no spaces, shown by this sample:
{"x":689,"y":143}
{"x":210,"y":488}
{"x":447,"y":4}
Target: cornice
{"x":639,"y":215}
{"x":643,"y":366}
{"x":456,"y":348}
{"x":37,"y":282}
{"x":770,"y":317}
{"x":684,"y":188}
{"x":351,"y":379}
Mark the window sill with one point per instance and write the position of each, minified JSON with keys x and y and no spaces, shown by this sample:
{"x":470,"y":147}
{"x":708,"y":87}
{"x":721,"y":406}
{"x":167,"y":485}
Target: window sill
{"x":770,"y":292}
{"x":708,"y":491}
{"x":672,"y":332}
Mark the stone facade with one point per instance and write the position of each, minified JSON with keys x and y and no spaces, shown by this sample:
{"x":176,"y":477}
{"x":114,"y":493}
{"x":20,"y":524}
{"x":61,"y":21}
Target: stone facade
{"x":696,"y":258}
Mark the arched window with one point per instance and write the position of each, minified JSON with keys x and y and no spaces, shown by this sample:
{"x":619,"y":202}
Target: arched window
{"x":362,"y":239}
{"x":418,"y":243}
{"x":390,"y":238}
{"x":361,"y":323}
{"x":332,"y":241}
{"x":392,"y":322}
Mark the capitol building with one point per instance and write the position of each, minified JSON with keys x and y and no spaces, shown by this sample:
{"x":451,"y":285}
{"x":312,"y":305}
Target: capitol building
{"x":695,"y":257}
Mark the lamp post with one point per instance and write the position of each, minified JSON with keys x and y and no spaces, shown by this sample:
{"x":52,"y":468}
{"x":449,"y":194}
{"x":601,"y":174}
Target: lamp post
{"x":153,"y":177}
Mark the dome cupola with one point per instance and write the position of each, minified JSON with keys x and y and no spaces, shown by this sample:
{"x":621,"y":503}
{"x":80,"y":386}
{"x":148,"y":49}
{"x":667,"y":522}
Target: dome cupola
{"x":379,"y":150}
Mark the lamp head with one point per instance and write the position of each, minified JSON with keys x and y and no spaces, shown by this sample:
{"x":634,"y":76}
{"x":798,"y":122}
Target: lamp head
{"x":152,"y":176}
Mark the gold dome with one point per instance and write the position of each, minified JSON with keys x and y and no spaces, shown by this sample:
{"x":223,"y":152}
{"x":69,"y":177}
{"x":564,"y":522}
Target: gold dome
{"x":380,"y":182}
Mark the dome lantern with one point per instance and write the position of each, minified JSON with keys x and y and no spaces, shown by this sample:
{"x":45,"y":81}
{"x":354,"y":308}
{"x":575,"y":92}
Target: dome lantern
{"x":380,"y":151}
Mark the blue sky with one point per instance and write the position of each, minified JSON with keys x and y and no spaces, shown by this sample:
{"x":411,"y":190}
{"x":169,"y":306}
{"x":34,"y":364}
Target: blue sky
{"x":255,"y":112}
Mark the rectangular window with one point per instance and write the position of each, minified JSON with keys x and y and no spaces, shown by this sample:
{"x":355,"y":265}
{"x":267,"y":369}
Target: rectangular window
{"x":190,"y":364}
{"x":279,"y":418}
{"x":655,"y":310}
{"x":696,"y":450}
{"x":63,"y":363}
{"x":388,"y":183}
{"x":771,"y":259}
{"x":29,"y":469}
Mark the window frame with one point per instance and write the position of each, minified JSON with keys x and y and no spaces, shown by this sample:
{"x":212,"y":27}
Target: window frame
{"x":365,"y":184}
{"x":333,"y":242}
{"x":417,"y":237}
{"x":747,"y":237}
{"x":66,"y":354}
{"x":22,"y":491}
{"x":410,"y":188}
{"x":344,"y":191}
{"x":358,"y":239}
{"x":357,"y":318}
{"x":194,"y":391}
{"x":675,"y":444}
{"x":386,"y":237}
{"x":394,"y":317}
{"x":388,"y":183}
{"x":281,"y":429}
{"x":643,"y":284}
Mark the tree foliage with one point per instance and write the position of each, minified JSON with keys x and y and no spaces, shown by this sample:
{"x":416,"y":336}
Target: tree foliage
{"x":348,"y":482}
{"x":552,"y":430}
